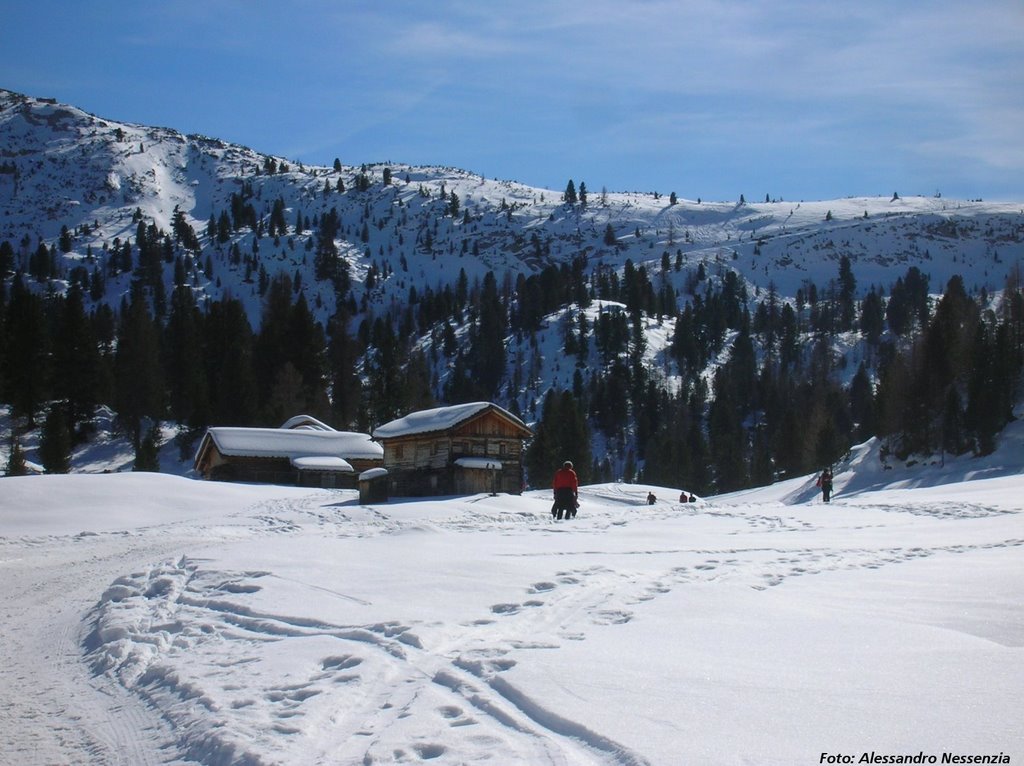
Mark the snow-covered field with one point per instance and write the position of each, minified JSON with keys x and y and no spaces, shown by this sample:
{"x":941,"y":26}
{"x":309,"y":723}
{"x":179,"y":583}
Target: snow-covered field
{"x":154,"y":619}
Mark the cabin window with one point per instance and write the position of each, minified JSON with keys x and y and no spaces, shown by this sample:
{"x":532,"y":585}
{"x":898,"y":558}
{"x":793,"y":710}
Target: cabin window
{"x":501,"y":449}
{"x":398,"y":451}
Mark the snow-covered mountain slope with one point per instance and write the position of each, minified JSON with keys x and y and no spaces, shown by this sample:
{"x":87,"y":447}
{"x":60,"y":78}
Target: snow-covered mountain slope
{"x":63,"y":167}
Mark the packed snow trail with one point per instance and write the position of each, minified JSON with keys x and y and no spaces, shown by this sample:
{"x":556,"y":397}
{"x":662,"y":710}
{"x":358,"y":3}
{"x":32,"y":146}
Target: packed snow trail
{"x":55,"y":710}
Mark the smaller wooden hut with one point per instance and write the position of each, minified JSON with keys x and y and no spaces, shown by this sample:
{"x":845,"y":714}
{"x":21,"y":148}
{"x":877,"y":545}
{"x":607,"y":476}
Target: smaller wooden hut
{"x":303,"y":451}
{"x":460,"y":450}
{"x":373,"y":486}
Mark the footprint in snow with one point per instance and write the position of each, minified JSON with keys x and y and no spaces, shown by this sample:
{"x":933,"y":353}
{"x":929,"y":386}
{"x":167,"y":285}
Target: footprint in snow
{"x":428,"y":752}
{"x":342,"y":662}
{"x":611,"y":617}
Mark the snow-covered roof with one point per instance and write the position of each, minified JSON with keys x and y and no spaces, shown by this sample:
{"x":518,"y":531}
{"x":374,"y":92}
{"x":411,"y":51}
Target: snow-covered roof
{"x":437,"y":419}
{"x":373,"y":473}
{"x":478,"y":462}
{"x":306,"y":421}
{"x":322,"y":463}
{"x":292,"y":443}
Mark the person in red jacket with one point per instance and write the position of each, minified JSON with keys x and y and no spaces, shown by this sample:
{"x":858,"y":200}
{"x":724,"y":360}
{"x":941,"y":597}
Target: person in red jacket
{"x":566,"y":486}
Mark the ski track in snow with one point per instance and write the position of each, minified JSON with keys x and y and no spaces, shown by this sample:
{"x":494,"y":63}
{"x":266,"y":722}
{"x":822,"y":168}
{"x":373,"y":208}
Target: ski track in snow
{"x":105,"y":724}
{"x":377,"y":684}
{"x":400,"y":683}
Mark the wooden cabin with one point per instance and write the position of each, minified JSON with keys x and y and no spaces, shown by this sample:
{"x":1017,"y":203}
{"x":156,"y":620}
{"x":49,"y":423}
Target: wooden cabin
{"x":460,"y":450}
{"x":303,"y":451}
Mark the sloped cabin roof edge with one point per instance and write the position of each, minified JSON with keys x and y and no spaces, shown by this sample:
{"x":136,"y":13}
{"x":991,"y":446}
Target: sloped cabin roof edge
{"x":440,"y":419}
{"x":277,"y":442}
{"x":322,"y":463}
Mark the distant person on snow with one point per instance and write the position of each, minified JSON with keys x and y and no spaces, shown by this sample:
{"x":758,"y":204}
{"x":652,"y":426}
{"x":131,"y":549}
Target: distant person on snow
{"x":651,"y":499}
{"x":825,"y":483}
{"x":566,"y":486}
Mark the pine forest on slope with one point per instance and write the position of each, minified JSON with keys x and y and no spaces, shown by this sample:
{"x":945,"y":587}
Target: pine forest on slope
{"x":712,"y":345}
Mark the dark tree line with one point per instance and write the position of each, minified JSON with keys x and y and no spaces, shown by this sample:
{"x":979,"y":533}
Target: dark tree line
{"x":198,"y":367}
{"x":952,"y":388}
{"x":562,"y":434}
{"x":757,"y":392}
{"x":936,"y":378}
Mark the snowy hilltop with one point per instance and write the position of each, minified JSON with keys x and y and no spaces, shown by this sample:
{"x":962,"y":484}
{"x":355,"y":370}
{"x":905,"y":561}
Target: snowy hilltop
{"x":412,"y":226}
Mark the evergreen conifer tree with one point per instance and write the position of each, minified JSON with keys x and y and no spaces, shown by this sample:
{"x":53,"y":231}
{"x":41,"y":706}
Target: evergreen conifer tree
{"x":488,"y":347}
{"x":569,"y":197}
{"x":872,"y":317}
{"x":561,"y":434}
{"x":138,"y":380}
{"x":847,"y":295}
{"x":6,"y":256}
{"x":184,"y":371}
{"x":342,"y":357}
{"x":383,"y":370}
{"x":286,"y":396}
{"x":147,"y":456}
{"x":953,"y":438}
{"x":76,"y":359}
{"x":55,"y":442}
{"x":16,"y":465}
{"x":762,"y":471}
{"x":228,"y":361}
{"x":862,"y":404}
{"x":726,"y":437}
{"x":27,"y":369}
{"x":828,"y":446}
{"x":307,"y":345}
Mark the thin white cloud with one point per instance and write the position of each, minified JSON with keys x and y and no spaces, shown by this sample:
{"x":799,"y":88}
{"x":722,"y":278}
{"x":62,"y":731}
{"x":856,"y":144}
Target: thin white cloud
{"x":434,"y":38}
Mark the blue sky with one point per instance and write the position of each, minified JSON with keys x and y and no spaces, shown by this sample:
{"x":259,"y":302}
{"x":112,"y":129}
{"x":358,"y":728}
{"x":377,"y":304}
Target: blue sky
{"x":796,"y":99}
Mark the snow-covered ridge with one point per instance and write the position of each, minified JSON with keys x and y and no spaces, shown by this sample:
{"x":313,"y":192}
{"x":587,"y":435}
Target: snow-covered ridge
{"x":63,"y":167}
